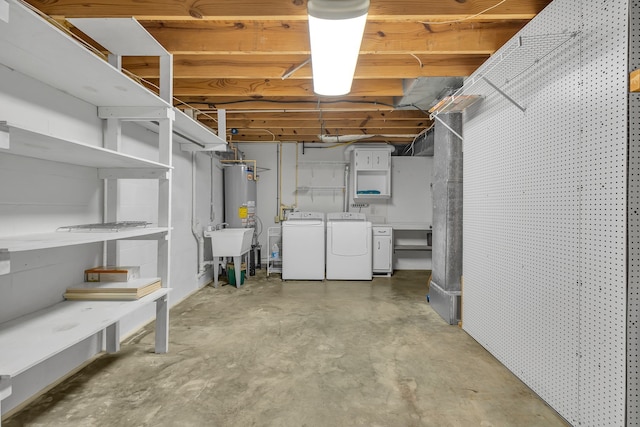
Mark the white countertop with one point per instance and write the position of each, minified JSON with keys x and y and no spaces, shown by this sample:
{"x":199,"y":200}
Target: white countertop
{"x":405,"y":225}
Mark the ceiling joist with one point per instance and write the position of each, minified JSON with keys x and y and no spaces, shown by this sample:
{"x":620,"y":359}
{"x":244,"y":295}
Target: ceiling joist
{"x":232,"y":55}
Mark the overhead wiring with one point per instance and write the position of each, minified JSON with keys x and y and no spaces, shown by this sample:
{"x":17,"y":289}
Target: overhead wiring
{"x":277,"y":101}
{"x":417,"y":59}
{"x":465,"y":18}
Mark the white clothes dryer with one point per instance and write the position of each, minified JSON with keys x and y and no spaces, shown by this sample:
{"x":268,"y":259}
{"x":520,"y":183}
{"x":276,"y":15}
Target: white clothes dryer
{"x":349,"y":243}
{"x":303,"y":246}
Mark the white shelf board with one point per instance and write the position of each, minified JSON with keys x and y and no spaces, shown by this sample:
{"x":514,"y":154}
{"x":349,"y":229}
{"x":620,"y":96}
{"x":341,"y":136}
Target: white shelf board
{"x":29,"y":242}
{"x":328,"y":163}
{"x":31,"y":339}
{"x":412,"y":248}
{"x":410,"y":226}
{"x":190,"y":134}
{"x":120,"y":36}
{"x":321,"y":188}
{"x":24,"y":142}
{"x":194,"y":131}
{"x":372,"y":196}
{"x":32,"y":46}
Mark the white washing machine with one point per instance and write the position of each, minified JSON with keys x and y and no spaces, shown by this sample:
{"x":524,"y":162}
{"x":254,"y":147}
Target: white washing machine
{"x":349,"y":245}
{"x":303,"y":246}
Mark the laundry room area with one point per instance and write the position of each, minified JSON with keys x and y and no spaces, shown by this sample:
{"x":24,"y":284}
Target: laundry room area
{"x":319,"y":213}
{"x":320,"y":181}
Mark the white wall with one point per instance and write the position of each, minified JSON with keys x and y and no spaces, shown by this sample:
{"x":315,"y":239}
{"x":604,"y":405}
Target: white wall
{"x":411,"y":189}
{"x":411,"y":201}
{"x":39,"y":196}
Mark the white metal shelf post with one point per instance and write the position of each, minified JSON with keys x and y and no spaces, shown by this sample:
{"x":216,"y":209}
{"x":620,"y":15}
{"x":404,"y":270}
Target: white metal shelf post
{"x":164,"y":200}
{"x":112,"y":140}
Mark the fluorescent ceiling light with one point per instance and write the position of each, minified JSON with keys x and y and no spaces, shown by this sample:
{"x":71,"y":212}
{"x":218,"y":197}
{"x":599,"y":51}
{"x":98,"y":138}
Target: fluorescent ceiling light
{"x":335,"y":29}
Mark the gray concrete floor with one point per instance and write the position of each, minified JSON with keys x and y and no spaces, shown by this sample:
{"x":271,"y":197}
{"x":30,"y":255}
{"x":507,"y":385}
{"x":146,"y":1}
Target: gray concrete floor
{"x":298,"y":354}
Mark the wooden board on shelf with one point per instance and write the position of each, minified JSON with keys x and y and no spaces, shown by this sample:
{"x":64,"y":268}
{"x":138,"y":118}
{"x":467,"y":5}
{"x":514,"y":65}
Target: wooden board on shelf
{"x":131,"y":290}
{"x":634,"y":81}
{"x":111,"y":273}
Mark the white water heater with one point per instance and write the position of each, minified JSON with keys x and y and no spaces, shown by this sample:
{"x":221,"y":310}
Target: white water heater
{"x":240,"y":191}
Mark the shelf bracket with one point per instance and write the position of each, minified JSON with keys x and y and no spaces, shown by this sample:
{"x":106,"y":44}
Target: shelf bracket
{"x":136,"y":113}
{"x":132,"y":173}
{"x":5,"y":387}
{"x":5,"y":261}
{"x":5,"y":139}
{"x":501,"y":92}
{"x":435,"y":116}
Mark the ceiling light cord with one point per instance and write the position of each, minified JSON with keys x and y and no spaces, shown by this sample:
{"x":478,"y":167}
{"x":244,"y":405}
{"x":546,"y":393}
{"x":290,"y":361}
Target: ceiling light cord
{"x":467,"y":17}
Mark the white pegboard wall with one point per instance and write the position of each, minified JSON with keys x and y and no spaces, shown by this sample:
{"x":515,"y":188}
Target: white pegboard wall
{"x":544,"y":218}
{"x":633,"y":296}
{"x":604,"y":90}
{"x":633,"y":223}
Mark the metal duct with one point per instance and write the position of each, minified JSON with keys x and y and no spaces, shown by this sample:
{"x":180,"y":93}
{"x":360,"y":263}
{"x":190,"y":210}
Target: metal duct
{"x":444,"y":290}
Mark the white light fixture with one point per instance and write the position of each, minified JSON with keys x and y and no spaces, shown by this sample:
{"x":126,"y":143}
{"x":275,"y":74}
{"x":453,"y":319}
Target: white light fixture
{"x":335,"y":29}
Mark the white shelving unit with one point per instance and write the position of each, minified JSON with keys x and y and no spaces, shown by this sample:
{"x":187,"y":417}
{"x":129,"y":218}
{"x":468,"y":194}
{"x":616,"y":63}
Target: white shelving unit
{"x":336,"y":178}
{"x":409,"y":236}
{"x":274,"y":265}
{"x":34,"y":47}
{"x":371,"y":169}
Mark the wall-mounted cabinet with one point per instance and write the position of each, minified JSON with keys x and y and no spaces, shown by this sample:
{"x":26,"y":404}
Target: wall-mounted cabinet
{"x":371,"y":169}
{"x":371,"y":159}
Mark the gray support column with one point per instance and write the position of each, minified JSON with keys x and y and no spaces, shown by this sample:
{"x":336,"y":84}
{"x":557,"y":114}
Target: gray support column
{"x":444,"y":289}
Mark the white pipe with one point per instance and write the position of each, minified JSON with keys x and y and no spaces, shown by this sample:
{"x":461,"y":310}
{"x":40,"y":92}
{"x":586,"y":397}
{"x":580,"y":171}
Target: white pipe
{"x":194,"y":220}
{"x":345,"y":192}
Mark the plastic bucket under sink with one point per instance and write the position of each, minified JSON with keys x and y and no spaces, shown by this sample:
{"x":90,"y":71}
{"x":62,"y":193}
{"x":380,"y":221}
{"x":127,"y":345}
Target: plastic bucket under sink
{"x":231,"y":273}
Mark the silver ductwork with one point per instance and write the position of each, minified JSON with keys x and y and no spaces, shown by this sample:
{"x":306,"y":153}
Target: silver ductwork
{"x":444,"y":289}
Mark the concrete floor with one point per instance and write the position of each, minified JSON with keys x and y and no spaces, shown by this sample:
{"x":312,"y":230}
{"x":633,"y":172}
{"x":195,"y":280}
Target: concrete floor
{"x":298,"y":354}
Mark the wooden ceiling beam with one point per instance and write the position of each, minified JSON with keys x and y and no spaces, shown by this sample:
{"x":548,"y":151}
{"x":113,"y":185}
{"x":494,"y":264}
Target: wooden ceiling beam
{"x":266,"y":137}
{"x":396,"y":115}
{"x":274,"y":67}
{"x":347,"y":130}
{"x":275,"y":38}
{"x":299,"y":104}
{"x":184,"y":88}
{"x":295,"y":123}
{"x":294,"y":10}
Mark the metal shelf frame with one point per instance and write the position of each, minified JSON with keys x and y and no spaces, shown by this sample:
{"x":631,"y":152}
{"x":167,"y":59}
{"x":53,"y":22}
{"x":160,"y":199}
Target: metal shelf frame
{"x":519,"y":55}
{"x":274,"y":265}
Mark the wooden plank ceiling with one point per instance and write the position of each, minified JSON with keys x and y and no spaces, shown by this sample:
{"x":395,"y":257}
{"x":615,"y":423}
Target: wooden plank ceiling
{"x":232,"y":55}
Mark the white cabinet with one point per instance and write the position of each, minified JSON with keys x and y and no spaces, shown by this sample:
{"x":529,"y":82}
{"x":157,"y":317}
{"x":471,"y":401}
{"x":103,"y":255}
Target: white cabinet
{"x":371,"y":170}
{"x":382,"y":250}
{"x":371,"y":159}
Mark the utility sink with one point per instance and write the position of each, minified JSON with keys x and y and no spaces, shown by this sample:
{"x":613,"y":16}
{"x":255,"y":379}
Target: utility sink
{"x":230,"y":242}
